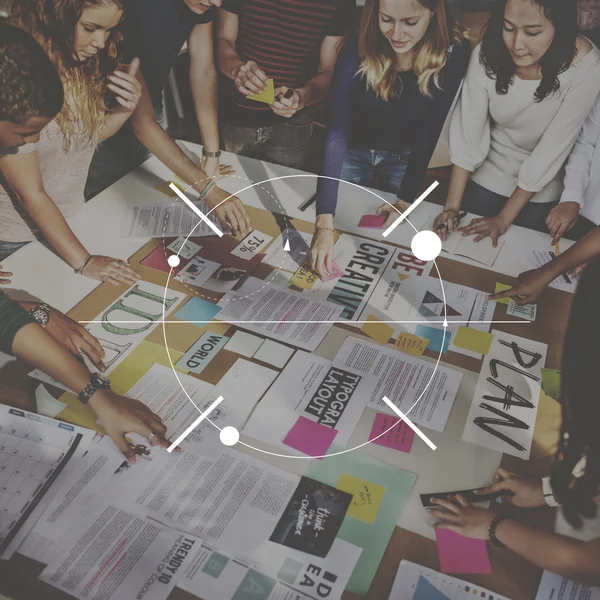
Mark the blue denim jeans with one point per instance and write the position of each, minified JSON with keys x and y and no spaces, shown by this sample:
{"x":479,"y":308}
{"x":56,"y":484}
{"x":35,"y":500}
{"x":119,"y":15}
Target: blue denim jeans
{"x":8,"y":248}
{"x":375,"y":168}
{"x":481,"y":201}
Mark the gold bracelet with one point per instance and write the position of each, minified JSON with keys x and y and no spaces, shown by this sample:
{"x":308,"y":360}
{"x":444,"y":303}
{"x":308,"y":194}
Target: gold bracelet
{"x":324,"y":229}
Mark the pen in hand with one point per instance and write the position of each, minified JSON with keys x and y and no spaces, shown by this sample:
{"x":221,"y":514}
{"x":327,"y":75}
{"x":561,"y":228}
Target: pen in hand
{"x":457,"y":220}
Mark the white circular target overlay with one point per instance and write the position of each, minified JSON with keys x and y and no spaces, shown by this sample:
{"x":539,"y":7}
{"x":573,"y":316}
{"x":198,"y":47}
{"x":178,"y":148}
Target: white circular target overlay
{"x":424,"y":247}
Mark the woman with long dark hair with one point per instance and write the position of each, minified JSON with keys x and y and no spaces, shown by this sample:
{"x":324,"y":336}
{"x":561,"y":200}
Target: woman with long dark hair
{"x":41,"y":184}
{"x":575,"y":480}
{"x":392,"y":89}
{"x":528,"y":89}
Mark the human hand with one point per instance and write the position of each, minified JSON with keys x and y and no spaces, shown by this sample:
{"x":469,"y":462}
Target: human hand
{"x":528,"y":289}
{"x":483,"y":227}
{"x":561,"y":219}
{"x":321,"y":252}
{"x":230,"y":211}
{"x":4,"y":277}
{"x":526,"y":492}
{"x":111,"y":270}
{"x":212,"y":167}
{"x":462,"y":518}
{"x":392,"y":215}
{"x":75,"y":338}
{"x":446,"y":222}
{"x":250,"y":79}
{"x":127,"y":87}
{"x":287,"y":102}
{"x":120,"y":415}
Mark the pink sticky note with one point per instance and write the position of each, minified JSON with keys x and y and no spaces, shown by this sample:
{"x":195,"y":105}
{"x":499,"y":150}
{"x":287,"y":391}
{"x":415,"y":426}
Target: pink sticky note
{"x":309,"y":437}
{"x":336,"y":272}
{"x":372,"y":221}
{"x":459,"y":554}
{"x":399,"y":438}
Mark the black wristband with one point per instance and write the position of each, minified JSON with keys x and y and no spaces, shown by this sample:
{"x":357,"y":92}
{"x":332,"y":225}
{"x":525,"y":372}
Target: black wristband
{"x":492,"y":530}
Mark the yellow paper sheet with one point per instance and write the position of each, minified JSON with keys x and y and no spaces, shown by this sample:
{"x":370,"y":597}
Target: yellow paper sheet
{"x":366,"y":499}
{"x":267,"y":95}
{"x":166,"y":190}
{"x":500,"y":287}
{"x":304,"y":278}
{"x":377,"y":330}
{"x":131,"y":370}
{"x":473,"y":339}
{"x":412,"y":344}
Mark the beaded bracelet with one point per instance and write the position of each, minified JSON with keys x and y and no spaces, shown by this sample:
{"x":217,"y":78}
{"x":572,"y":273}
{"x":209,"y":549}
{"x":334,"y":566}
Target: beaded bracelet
{"x":492,"y":530}
{"x":207,"y":190}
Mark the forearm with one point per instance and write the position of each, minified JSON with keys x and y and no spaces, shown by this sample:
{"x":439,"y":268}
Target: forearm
{"x":55,"y":229}
{"x":562,"y":555}
{"x":458,"y":183}
{"x":158,"y":141}
{"x":228,"y":58}
{"x":324,"y":221}
{"x":315,"y":90}
{"x":114,"y":122}
{"x":514,"y":205}
{"x":204,"y":90}
{"x":39,"y":349}
{"x":582,"y":252}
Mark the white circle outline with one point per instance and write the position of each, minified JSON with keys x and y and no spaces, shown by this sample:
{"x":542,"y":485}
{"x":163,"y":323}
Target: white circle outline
{"x":311,"y":175}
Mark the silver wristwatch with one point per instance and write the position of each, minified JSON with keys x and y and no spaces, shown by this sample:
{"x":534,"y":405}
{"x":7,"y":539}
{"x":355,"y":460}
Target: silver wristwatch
{"x":41,"y":313}
{"x":97,"y":382}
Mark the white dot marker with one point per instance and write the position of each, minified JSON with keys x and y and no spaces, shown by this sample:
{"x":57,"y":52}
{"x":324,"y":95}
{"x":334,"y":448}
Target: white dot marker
{"x":230,"y":436}
{"x":426,"y":245}
{"x":173,"y":260}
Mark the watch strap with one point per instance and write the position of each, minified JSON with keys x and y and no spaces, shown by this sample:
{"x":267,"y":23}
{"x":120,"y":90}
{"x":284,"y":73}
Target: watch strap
{"x":97,"y":382}
{"x":41,"y":313}
{"x":208,"y":154}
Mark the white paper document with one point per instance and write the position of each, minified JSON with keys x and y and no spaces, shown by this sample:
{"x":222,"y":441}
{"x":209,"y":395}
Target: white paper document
{"x":185,"y":248}
{"x":252,"y":244}
{"x":283,"y":315}
{"x":505,"y":404}
{"x":197,"y":271}
{"x":289,"y":260}
{"x":556,"y":587}
{"x":538,"y":258}
{"x":404,"y":379}
{"x":314,"y":388}
{"x":142,"y":306}
{"x":285,"y":574}
{"x":414,"y":582}
{"x":166,"y":220}
{"x":33,"y":452}
{"x":119,"y":554}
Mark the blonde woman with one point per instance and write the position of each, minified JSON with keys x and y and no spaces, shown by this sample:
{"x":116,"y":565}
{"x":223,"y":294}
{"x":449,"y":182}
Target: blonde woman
{"x":392,"y":89}
{"x":42,"y":183}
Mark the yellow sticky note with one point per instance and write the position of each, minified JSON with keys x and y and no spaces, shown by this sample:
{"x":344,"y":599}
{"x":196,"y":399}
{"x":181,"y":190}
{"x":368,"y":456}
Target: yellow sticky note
{"x":402,"y":276}
{"x":473,"y":339}
{"x":304,"y":278}
{"x":163,"y":187}
{"x":377,"y":330}
{"x":267,"y":95}
{"x":366,"y":497}
{"x":412,"y":344}
{"x":500,"y":287}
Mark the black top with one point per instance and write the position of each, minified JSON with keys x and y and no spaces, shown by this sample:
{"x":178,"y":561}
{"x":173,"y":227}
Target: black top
{"x":155,"y":31}
{"x":408,"y":121}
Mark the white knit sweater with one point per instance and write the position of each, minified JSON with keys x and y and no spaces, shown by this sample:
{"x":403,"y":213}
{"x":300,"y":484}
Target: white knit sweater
{"x":510,"y":140}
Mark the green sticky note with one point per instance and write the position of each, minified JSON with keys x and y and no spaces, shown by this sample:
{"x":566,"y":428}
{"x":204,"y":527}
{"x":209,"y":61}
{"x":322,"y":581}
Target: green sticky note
{"x":393,"y":486}
{"x":551,"y":383}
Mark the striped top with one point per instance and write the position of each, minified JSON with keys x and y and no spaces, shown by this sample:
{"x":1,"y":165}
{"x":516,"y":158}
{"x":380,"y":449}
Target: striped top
{"x":284,"y":38}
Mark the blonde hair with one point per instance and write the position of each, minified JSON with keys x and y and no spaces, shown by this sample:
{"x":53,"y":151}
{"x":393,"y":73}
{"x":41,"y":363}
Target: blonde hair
{"x":52,"y":23}
{"x":378,"y":59}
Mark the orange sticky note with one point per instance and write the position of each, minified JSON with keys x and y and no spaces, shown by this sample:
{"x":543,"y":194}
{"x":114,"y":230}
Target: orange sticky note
{"x":473,"y":340}
{"x":411,"y":344}
{"x":267,"y":95}
{"x":377,"y":330}
{"x":500,"y":287}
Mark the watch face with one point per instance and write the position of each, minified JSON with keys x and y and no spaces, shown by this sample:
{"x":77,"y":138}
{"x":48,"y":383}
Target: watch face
{"x":41,"y":315}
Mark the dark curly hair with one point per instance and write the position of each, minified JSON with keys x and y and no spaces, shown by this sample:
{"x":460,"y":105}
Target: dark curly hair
{"x":580,"y":405}
{"x":29,"y":83}
{"x":498,"y":62}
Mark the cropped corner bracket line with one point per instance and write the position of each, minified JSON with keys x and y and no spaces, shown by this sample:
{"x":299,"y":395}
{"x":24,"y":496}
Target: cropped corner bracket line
{"x":196,"y":209}
{"x":423,"y":321}
{"x":410,"y":208}
{"x":195,"y":424}
{"x":404,"y":418}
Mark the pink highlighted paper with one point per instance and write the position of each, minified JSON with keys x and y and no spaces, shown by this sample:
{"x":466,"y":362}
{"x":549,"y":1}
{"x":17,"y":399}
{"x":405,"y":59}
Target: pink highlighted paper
{"x":310,"y":437}
{"x":336,"y":272}
{"x":399,"y":438}
{"x":372,"y":221}
{"x":459,"y":554}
